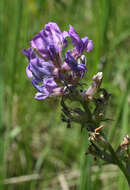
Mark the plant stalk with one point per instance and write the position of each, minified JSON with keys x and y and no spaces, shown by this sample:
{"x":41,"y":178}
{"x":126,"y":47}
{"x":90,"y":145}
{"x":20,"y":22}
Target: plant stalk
{"x":118,"y":162}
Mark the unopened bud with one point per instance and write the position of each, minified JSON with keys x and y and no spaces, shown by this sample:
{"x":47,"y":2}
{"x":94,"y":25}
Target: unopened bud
{"x":97,"y":79}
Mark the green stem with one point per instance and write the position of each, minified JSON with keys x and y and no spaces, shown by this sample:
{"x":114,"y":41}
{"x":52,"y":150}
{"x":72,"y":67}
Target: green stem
{"x":118,"y":162}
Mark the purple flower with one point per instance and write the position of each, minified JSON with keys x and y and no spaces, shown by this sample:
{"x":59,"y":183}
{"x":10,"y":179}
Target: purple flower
{"x":77,"y":68}
{"x":30,"y":54}
{"x":80,"y":45}
{"x":48,"y":88}
{"x":50,"y":42}
{"x":45,"y":93}
{"x":48,"y":73}
{"x":50,"y":84}
{"x":37,"y":68}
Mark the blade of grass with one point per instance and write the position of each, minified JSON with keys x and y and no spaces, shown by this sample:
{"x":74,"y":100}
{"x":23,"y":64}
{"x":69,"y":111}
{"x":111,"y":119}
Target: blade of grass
{"x":102,"y":20}
{"x":2,"y":163}
{"x":45,"y":153}
{"x":12,"y":59}
{"x":85,"y":168}
{"x":124,"y":131}
{"x":119,"y":111}
{"x":117,"y":117}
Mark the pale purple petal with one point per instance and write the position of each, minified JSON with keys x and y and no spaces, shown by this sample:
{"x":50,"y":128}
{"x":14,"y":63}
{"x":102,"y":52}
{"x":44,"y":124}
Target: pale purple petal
{"x":54,"y":35}
{"x":52,"y":26}
{"x":65,"y":34}
{"x":39,"y":88}
{"x":27,"y":53}
{"x":89,"y":46}
{"x":76,"y":40}
{"x":49,"y":83}
{"x":28,"y":72}
{"x":85,"y":42}
{"x":41,"y":96}
{"x":38,"y":43}
{"x":30,"y":54}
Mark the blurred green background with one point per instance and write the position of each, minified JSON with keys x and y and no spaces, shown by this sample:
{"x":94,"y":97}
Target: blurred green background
{"x":37,"y":151}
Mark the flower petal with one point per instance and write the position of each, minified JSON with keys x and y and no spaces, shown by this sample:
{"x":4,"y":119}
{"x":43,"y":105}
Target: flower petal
{"x":79,"y":69}
{"x":89,"y":46}
{"x":41,"y":96}
{"x":30,"y":54}
{"x":76,"y":40}
{"x":28,"y":72}
{"x":50,"y":84}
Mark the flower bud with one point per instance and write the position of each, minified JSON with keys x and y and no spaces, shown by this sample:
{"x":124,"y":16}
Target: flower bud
{"x":97,"y":79}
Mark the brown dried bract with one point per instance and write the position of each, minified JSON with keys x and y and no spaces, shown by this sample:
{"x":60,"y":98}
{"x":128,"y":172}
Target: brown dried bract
{"x":96,"y":133}
{"x":126,"y":141}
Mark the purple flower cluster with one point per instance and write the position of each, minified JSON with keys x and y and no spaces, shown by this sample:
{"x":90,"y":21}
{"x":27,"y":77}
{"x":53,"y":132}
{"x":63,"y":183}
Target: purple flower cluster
{"x":48,"y":69}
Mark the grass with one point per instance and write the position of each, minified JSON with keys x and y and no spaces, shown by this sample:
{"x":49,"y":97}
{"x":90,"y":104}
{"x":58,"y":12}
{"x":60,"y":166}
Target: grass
{"x":124,"y":130}
{"x":2,"y":151}
{"x":85,"y":178}
{"x":33,"y":139}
